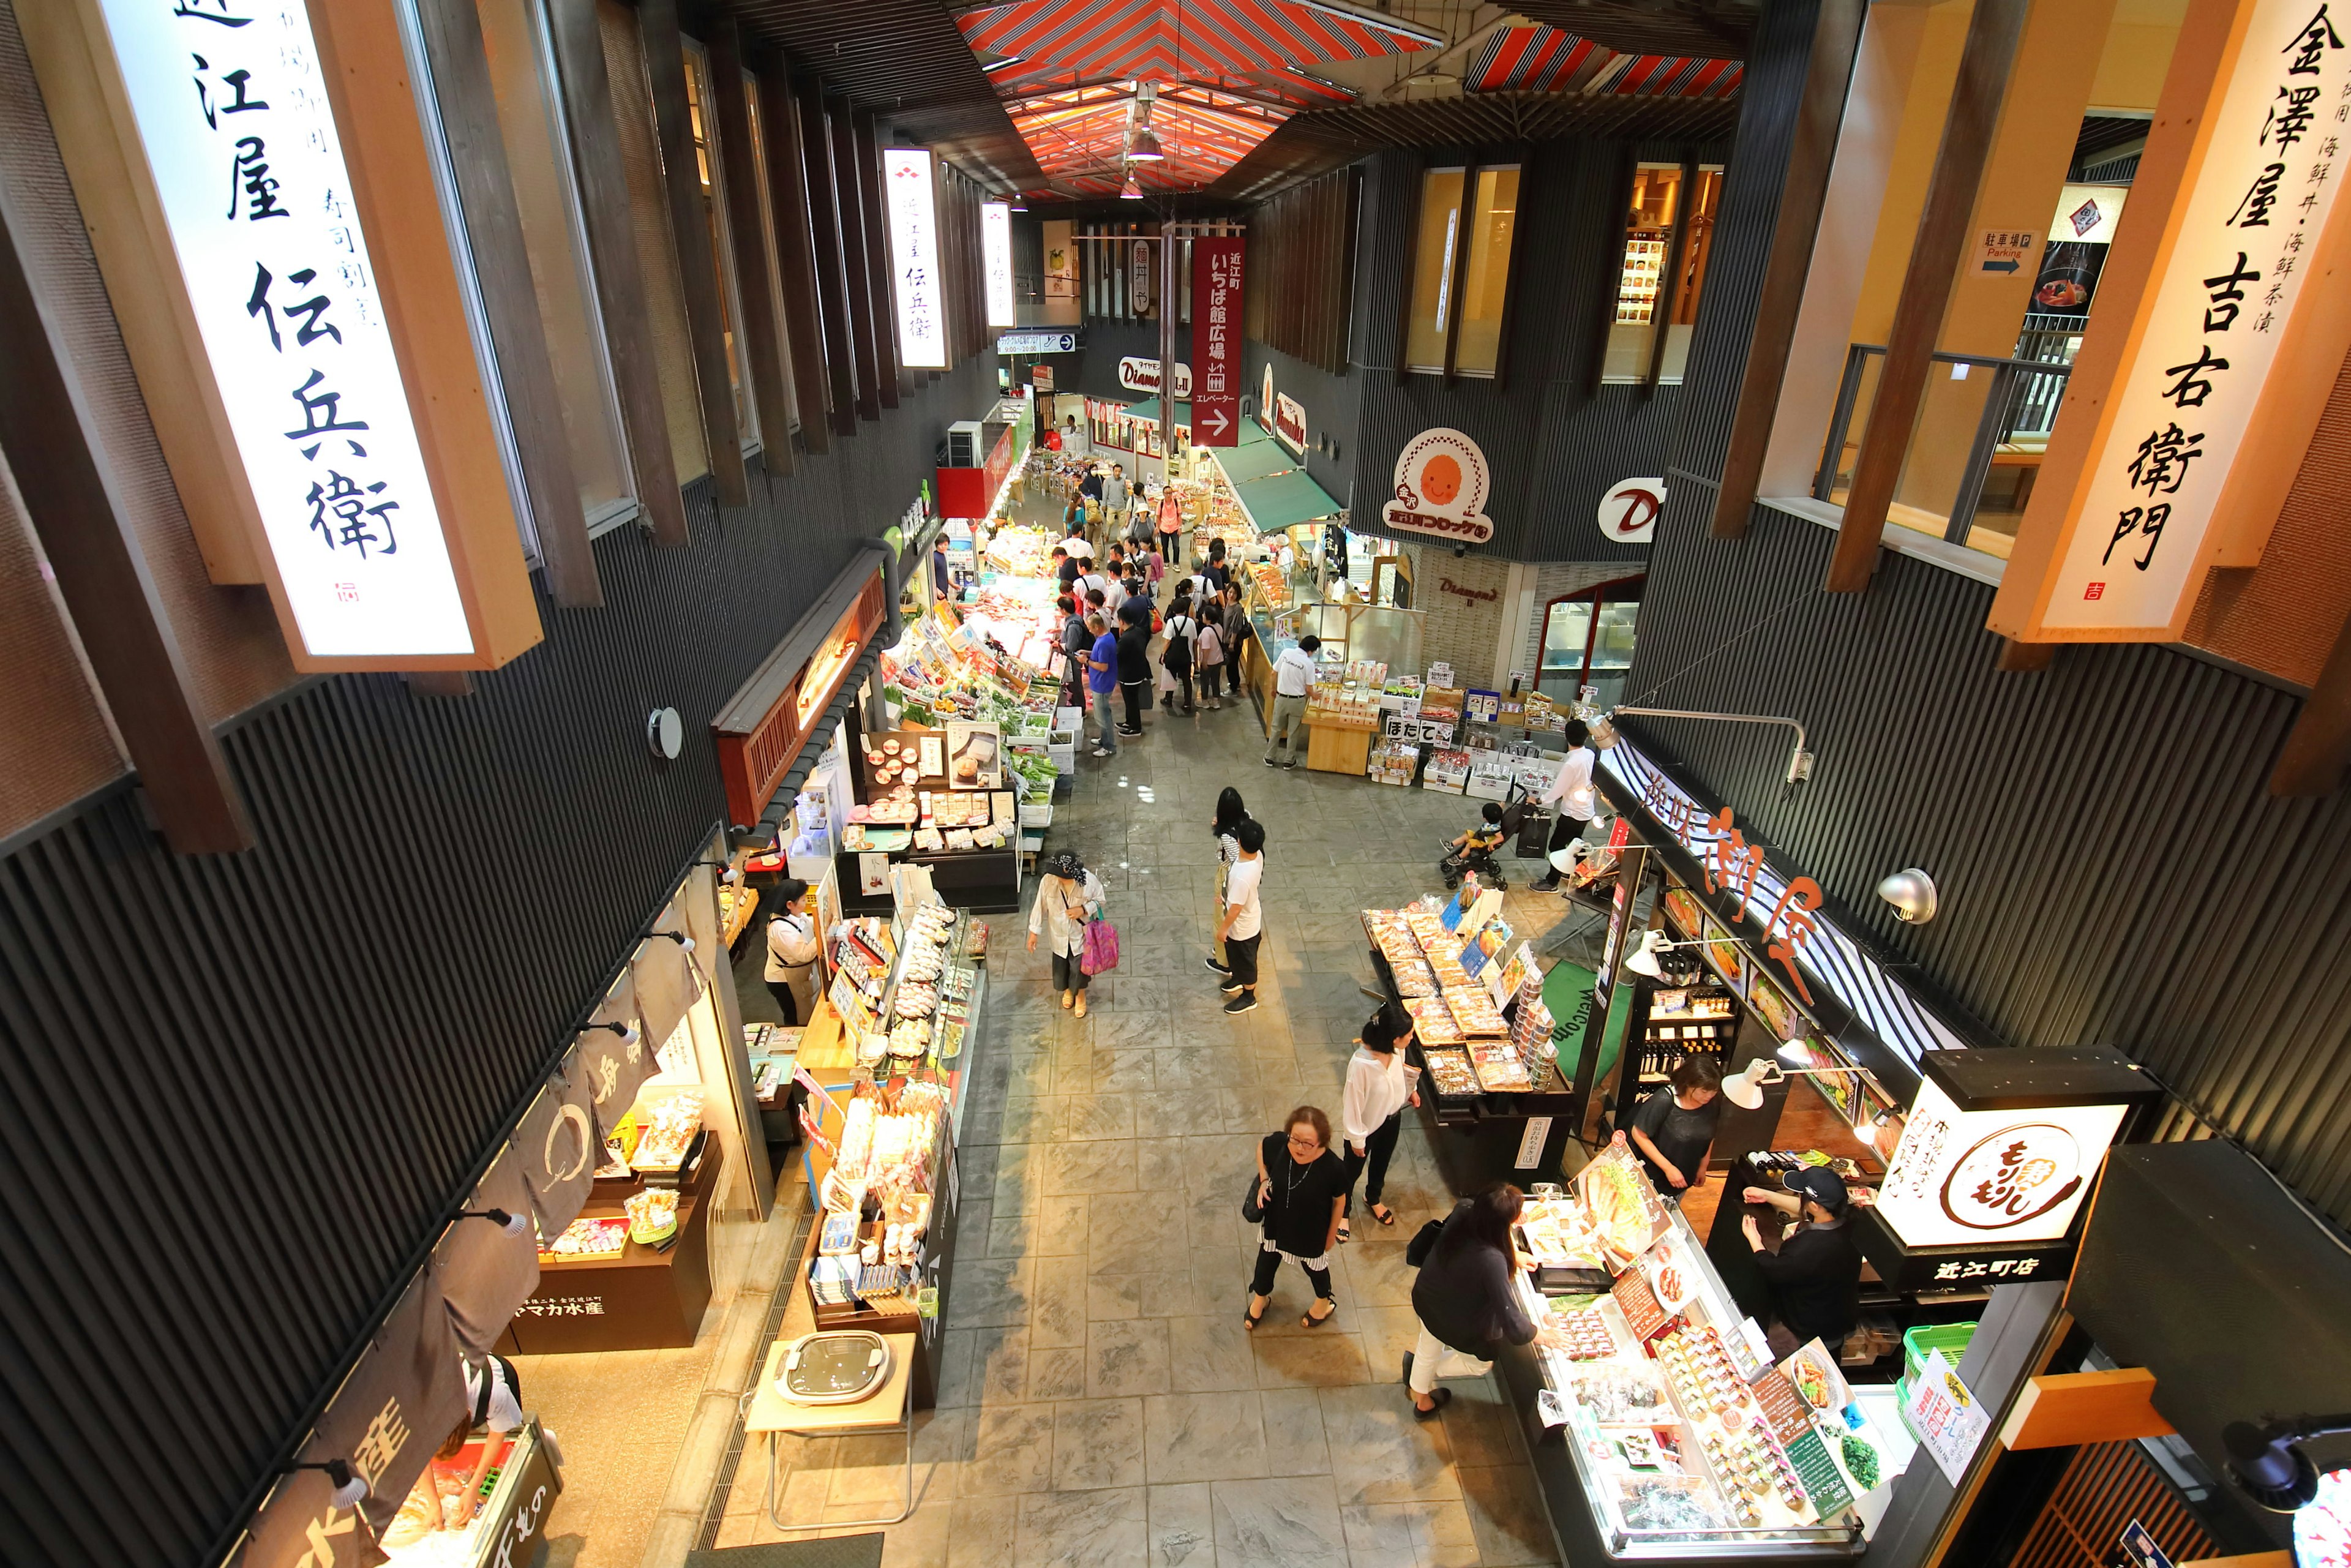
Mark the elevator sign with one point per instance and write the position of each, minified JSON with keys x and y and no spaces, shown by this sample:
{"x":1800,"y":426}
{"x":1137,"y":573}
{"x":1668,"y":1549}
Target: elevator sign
{"x":1216,"y":340}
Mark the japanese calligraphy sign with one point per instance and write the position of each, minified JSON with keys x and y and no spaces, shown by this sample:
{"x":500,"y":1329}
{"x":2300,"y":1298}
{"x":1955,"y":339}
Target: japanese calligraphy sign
{"x":2118,"y":549}
{"x":397,"y":1405}
{"x":909,"y":195}
{"x":1964,"y":1177}
{"x":996,"y":255}
{"x":1216,"y":341}
{"x":368,"y":483}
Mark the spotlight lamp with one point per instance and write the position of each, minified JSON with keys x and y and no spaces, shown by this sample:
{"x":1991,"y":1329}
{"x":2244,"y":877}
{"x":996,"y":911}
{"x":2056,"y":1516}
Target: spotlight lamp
{"x":1745,"y":1087}
{"x":627,"y":1031}
{"x":350,"y":1486}
{"x":1644,"y":961}
{"x":728,"y":873}
{"x":512,"y":1224}
{"x":2267,"y":1463}
{"x":1912,"y":894}
{"x":684,"y":943}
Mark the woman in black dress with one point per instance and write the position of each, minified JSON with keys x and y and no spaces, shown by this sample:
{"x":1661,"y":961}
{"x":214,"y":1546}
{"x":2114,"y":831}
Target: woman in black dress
{"x":1302,"y":1189}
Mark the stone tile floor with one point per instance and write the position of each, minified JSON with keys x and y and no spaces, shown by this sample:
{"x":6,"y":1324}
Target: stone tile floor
{"x":1101,"y":1403}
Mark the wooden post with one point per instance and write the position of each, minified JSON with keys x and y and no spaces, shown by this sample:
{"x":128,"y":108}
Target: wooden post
{"x":856,"y":235}
{"x":2063,"y":1410}
{"x":832,"y":277}
{"x":759,"y":335}
{"x":50,"y":439}
{"x":477,"y":160}
{"x":888,"y":374}
{"x":788,"y":199}
{"x":2318,"y":748}
{"x":1927,"y":284}
{"x":697,"y":253}
{"x":595,"y":141}
{"x":1803,"y":193}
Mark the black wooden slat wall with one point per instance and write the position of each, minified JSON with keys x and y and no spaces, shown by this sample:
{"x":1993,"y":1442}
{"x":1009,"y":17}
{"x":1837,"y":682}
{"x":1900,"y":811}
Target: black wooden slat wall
{"x":2112,"y":866}
{"x":242,"y":1089}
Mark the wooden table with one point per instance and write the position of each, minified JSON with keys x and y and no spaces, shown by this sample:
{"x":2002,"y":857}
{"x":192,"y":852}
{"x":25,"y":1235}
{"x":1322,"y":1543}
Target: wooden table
{"x":1338,"y":746}
{"x":887,"y":1408}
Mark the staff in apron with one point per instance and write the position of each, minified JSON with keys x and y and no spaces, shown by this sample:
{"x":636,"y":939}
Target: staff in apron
{"x":792,"y":947}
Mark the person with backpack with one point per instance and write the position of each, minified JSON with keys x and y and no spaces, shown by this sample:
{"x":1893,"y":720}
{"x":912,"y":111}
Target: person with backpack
{"x":1075,"y":640}
{"x":1181,"y":629}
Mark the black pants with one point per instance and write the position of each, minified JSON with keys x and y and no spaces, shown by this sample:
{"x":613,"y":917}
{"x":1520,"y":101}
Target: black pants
{"x":1069,"y":974}
{"x":1565,"y":830}
{"x":1240,"y":957}
{"x":785,"y":998}
{"x":1210,"y":682}
{"x":1133,"y":692}
{"x":1377,"y":1150}
{"x":1269,"y":1264}
{"x":1183,"y":678}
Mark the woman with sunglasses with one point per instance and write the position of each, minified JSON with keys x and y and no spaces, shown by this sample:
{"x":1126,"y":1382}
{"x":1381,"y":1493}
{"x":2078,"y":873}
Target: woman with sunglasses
{"x":1302,"y":1188}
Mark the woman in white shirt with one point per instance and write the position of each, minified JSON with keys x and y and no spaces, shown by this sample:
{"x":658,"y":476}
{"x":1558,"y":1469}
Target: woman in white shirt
{"x":1068,"y":895}
{"x":792,"y":947}
{"x":1574,"y":794}
{"x":1371,"y":1114}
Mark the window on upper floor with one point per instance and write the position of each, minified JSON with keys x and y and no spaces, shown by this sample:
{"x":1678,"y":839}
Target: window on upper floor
{"x":1668,"y":239}
{"x":530,"y":125}
{"x":1461,"y":270}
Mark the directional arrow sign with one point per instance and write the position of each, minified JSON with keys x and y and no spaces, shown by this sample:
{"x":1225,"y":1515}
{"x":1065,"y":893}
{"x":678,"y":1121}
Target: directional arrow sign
{"x":2000,"y":266}
{"x":1215,"y":423}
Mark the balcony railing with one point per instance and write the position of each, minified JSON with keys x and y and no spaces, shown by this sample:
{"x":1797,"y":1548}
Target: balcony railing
{"x":1974,"y":454}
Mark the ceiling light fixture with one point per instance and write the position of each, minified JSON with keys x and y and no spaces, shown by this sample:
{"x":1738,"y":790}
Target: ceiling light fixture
{"x":1644,"y":961}
{"x":1145,"y":148}
{"x":1130,"y":192}
{"x":1745,"y":1088}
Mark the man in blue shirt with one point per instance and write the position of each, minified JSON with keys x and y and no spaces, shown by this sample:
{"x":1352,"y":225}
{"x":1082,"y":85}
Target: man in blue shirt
{"x":1102,"y":683}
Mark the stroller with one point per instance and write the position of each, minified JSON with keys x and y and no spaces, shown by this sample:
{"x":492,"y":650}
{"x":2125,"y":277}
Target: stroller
{"x":1485,"y":862}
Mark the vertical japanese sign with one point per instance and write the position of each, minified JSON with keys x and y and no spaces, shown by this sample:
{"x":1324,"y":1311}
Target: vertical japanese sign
{"x":907,"y":189}
{"x":996,"y":248}
{"x":2128,"y":545}
{"x":1216,"y":341}
{"x":233,"y":114}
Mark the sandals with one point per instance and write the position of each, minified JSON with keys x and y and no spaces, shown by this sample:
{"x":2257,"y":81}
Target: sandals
{"x":1081,"y":1009}
{"x":1250,"y":1320}
{"x":1345,"y":1235}
{"x":1068,"y":997}
{"x":1310,"y":1321}
{"x":1386,"y":1219}
{"x":1436,"y":1402}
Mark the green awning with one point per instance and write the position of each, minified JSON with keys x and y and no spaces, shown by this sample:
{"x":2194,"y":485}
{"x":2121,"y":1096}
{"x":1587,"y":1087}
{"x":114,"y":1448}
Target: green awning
{"x":1284,"y":500}
{"x":1253,"y":460}
{"x":1148,"y":412}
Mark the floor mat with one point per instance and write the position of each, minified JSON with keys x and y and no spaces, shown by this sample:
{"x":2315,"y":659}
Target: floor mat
{"x":838,"y":1551}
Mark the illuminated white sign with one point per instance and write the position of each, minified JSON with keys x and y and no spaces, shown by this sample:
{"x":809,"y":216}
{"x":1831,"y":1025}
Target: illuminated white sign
{"x":2228,"y":275}
{"x":1628,"y":512}
{"x":907,"y":191}
{"x":1968,"y":1176}
{"x":1143,"y":376}
{"x":996,"y":247}
{"x":234,"y":118}
{"x":1441,"y":486}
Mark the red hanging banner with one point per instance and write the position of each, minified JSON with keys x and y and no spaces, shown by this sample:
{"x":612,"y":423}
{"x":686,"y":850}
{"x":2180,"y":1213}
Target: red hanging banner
{"x":1216,"y":341}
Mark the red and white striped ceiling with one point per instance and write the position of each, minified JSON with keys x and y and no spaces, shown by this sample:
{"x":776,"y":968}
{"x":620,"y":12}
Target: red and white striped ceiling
{"x":1547,"y":59}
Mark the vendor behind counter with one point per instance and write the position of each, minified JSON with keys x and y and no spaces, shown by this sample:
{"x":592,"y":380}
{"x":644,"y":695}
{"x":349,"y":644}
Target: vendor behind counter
{"x":1815,"y":1277}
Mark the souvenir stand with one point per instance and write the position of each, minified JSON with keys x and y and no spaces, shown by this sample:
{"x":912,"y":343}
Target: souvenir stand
{"x":885,"y":1065}
{"x":1483,"y":1040}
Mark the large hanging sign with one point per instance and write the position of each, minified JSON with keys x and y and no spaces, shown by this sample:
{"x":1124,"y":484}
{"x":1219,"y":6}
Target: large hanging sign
{"x":1138,"y":278}
{"x":1441,"y":486}
{"x":376,"y":497}
{"x":1966,"y":1177}
{"x":1143,"y":376}
{"x":909,"y":193}
{"x":1628,"y":513}
{"x":1289,"y":422}
{"x":995,"y":253}
{"x":2118,"y":549}
{"x":1216,"y":339}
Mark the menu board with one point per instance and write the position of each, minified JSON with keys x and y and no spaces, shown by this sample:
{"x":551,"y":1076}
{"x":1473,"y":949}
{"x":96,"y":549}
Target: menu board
{"x":1817,"y":1473}
{"x":1642,"y":1314}
{"x":1783,"y":1407}
{"x":1946,"y":1417}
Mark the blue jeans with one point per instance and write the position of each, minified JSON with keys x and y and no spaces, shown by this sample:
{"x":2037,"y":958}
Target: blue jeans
{"x":1106,"y":719}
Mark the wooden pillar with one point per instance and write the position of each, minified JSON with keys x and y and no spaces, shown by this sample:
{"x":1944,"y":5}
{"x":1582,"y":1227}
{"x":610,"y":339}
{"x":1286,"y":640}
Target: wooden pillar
{"x":856,"y":270}
{"x":697,"y":253}
{"x":1927,"y":282}
{"x":2318,"y":748}
{"x":595,"y":141}
{"x":477,"y":160}
{"x":866,"y":139}
{"x":50,"y":441}
{"x":1803,"y":192}
{"x":759,"y":335}
{"x":788,"y":199}
{"x":831,"y":275}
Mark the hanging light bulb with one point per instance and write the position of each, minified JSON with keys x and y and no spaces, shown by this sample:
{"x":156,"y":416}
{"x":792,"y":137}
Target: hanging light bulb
{"x":1130,"y":192}
{"x":1146,"y":148}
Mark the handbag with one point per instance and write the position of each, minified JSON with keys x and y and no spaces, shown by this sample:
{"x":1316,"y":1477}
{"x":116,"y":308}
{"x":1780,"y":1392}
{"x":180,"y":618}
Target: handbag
{"x":1423,"y":1243}
{"x":1101,"y":954}
{"x":1252,"y":1210}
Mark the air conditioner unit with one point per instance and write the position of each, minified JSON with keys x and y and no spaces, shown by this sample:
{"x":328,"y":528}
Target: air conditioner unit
{"x":965,"y":447}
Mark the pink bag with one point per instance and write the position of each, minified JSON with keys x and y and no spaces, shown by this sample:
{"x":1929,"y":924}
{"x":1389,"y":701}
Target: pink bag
{"x":1100,"y":954}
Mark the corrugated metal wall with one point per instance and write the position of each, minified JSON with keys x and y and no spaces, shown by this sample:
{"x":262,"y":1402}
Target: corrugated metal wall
{"x":244,"y":1087}
{"x":1333,"y":406}
{"x":2112,"y":866}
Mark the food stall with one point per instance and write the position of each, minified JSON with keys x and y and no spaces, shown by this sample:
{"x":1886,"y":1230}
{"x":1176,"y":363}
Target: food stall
{"x":1484,"y":1041}
{"x":509,"y":1524}
{"x":1668,"y":1432}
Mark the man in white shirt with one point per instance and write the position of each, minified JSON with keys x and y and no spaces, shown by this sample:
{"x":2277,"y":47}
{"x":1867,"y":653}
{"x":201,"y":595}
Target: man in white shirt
{"x":1293,"y":676}
{"x":1572,"y":793}
{"x":1242,"y":925}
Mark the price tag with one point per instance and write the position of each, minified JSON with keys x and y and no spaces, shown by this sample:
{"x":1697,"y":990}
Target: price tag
{"x":1550,"y":1407}
{"x":926,"y":1302}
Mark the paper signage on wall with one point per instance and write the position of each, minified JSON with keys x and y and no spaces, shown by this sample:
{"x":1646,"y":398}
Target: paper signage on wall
{"x":1289,"y":422}
{"x":1216,"y":339}
{"x":1418,"y":731}
{"x":1143,"y":376}
{"x":1948,"y":1422}
{"x":1441,"y":486}
{"x":1022,"y":344}
{"x":2127,"y":545}
{"x":1628,"y":512}
{"x":1139,"y":277}
{"x":1530,"y":1143}
{"x":2006,"y":251}
{"x":2139,"y":1548}
{"x":996,"y":254}
{"x":249,"y":167}
{"x":1041,"y":378}
{"x":908,"y":191}
{"x":1963,"y":1177}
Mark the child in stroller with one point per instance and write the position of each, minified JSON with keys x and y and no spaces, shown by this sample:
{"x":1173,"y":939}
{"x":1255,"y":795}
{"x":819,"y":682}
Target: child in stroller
{"x":1473,"y":850}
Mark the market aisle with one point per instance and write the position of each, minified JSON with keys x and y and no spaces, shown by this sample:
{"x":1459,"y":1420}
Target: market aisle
{"x":1101,"y":1403}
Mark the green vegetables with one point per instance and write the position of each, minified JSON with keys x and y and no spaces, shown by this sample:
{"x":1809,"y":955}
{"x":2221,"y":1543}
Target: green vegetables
{"x":1860,"y":1461}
